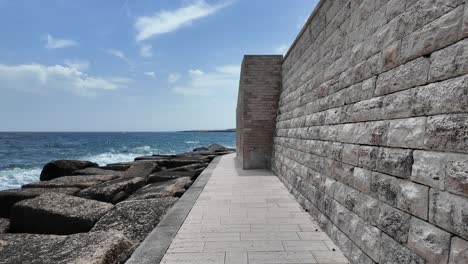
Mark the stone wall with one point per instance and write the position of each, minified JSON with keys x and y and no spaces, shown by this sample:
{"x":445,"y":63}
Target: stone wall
{"x":372,"y":127}
{"x":257,"y":104}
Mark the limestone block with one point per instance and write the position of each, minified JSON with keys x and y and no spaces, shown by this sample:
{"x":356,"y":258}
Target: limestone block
{"x":411,"y":74}
{"x":431,"y":37}
{"x":449,"y":211}
{"x":350,"y":154}
{"x":458,"y":251}
{"x":394,"y":222}
{"x":368,"y":157}
{"x":447,"y":132}
{"x":363,"y":111}
{"x":368,"y":208}
{"x":456,"y":180}
{"x":449,"y":96}
{"x":384,"y":188}
{"x":449,"y":62}
{"x":398,"y":105}
{"x":413,"y":198}
{"x":368,"y":238}
{"x":428,"y":241}
{"x":393,"y":252}
{"x":407,"y":132}
{"x":397,"y":162}
{"x":362,"y":180}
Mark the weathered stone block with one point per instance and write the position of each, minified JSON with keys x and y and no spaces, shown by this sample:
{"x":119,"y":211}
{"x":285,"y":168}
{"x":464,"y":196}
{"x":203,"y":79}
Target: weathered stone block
{"x":368,"y":157}
{"x":394,"y":222}
{"x":395,"y":253}
{"x":428,"y":241}
{"x":447,"y":132}
{"x":55,"y":213}
{"x":79,"y":181}
{"x":458,"y":251}
{"x":397,"y":162}
{"x":411,"y":74}
{"x":407,"y":132}
{"x":113,"y":191}
{"x":429,"y":168}
{"x":362,"y":180}
{"x":385,"y":188}
{"x":449,"y":211}
{"x":456,"y":180}
{"x":449,"y":62}
{"x":350,"y":154}
{"x":413,"y":198}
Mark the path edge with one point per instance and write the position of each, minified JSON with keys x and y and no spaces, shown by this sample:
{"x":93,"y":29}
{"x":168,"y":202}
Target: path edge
{"x":155,"y":245}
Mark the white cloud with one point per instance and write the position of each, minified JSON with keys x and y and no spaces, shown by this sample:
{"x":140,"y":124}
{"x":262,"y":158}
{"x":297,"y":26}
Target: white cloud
{"x":196,"y":72}
{"x":38,"y":78}
{"x":55,"y":43}
{"x":77,"y":64}
{"x":119,"y":54}
{"x":174,"y":77}
{"x":146,"y":51}
{"x":150,"y":74}
{"x":207,"y":83}
{"x":282,"y":49}
{"x":167,"y":21}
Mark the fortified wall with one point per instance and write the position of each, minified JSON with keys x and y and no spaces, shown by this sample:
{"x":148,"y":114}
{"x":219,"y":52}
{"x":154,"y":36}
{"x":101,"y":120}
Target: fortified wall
{"x":372,"y":127}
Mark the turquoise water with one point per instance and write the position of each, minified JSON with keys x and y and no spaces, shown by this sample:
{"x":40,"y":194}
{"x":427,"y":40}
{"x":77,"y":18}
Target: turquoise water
{"x":22,"y":155}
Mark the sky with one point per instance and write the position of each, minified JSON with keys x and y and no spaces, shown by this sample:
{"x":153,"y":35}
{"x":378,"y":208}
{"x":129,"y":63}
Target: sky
{"x":133,"y":65}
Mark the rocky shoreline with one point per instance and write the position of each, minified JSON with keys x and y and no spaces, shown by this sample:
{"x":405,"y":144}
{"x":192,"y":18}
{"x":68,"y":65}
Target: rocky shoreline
{"x":84,"y":213}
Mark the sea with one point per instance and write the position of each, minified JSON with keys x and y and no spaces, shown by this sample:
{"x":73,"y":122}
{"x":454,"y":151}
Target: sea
{"x":23,"y":154}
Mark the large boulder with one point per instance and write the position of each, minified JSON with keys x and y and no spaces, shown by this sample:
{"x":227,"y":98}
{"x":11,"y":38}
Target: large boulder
{"x":141,"y":169}
{"x":113,"y":191}
{"x":171,"y":188}
{"x":97,"y":171}
{"x":166,"y":175}
{"x":9,"y":197}
{"x":4,"y":225}
{"x":135,"y":219}
{"x":191,"y":167}
{"x":216,"y":147}
{"x":61,"y":168}
{"x":116,"y":167}
{"x":89,"y":248}
{"x":55,"y":213}
{"x":80,"y":181}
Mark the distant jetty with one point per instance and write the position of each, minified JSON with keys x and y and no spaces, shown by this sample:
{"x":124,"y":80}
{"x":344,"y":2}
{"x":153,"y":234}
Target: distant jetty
{"x":207,"y":131}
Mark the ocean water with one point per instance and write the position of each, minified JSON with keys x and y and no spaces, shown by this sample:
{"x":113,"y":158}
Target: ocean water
{"x":23,"y":154}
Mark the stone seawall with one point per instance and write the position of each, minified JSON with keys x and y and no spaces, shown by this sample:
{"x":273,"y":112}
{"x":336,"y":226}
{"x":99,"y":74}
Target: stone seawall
{"x":372,"y":127}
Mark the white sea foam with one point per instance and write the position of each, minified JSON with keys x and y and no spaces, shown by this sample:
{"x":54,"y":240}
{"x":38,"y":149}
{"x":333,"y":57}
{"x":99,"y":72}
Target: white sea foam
{"x":192,"y":142}
{"x":16,"y":177}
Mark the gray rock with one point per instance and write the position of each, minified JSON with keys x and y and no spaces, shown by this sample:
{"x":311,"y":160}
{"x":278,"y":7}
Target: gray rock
{"x":98,"y":171}
{"x":90,"y":248}
{"x":141,"y":169}
{"x":192,"y":167}
{"x":393,"y":252}
{"x":449,"y":211}
{"x":4,"y":225}
{"x":413,"y":198}
{"x":79,"y":181}
{"x":61,"y":168}
{"x":111,"y":191}
{"x":165,"y":175}
{"x":216,"y":148}
{"x":429,"y":242}
{"x":456,"y":180}
{"x":169,"y":188}
{"x":397,"y":162}
{"x":200,"y":149}
{"x":394,"y":222}
{"x":447,"y":132}
{"x":116,"y":167}
{"x":135,"y":219}
{"x":9,"y":197}
{"x":384,"y":188}
{"x":55,"y":213}
{"x":458,"y":251}
{"x":407,"y":132}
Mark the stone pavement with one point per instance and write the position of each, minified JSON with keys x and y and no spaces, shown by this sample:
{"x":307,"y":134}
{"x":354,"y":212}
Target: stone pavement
{"x":249,"y":217}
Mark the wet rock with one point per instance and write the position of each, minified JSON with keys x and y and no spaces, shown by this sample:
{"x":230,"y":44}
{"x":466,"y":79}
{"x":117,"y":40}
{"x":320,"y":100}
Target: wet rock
{"x":89,"y":248}
{"x":136,"y":218}
{"x":162,"y":176}
{"x":4,"y":225}
{"x":111,"y":191}
{"x":9,"y":197}
{"x":141,"y":169}
{"x":116,"y":167}
{"x":79,"y":181}
{"x":98,"y":171}
{"x":169,"y":188}
{"x":55,"y":213}
{"x":61,"y":168}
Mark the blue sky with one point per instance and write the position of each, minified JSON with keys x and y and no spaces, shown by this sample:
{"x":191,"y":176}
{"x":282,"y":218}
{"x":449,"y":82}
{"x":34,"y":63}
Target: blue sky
{"x":128,"y":65}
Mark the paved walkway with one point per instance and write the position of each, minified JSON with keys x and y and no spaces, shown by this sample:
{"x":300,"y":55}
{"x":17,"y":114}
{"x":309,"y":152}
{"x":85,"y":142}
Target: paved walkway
{"x":249,"y":217}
